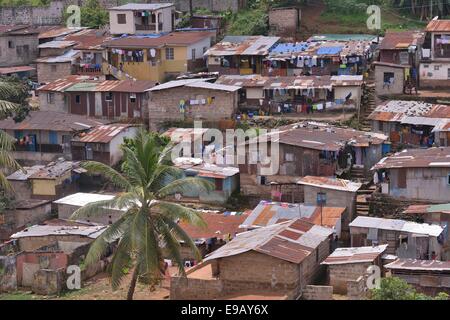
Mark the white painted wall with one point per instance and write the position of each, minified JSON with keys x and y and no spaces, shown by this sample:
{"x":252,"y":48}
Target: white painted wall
{"x":116,"y":28}
{"x":428,"y":71}
{"x":115,"y":154}
{"x":198,"y":46}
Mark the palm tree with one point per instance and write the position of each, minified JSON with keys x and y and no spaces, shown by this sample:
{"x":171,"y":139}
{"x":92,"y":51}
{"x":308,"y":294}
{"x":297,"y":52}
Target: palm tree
{"x":13,"y":96}
{"x":149,"y":223}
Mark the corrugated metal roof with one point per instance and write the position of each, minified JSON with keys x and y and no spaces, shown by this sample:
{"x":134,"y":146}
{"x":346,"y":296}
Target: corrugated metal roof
{"x":53,"y":121}
{"x":81,"y":199}
{"x":420,"y":265}
{"x":57,"y":44}
{"x":410,"y":112}
{"x":103,"y":133}
{"x":342,"y":37}
{"x":330,"y":183}
{"x":69,"y":56}
{"x":51,"y":170}
{"x":303,"y":238}
{"x":89,"y":39}
{"x":177,"y":83}
{"x":48,"y":230}
{"x":60,"y":85}
{"x":143,"y":6}
{"x":212,"y":86}
{"x":428,"y":208}
{"x":204,"y":169}
{"x":243,"y":45}
{"x":354,"y":255}
{"x":46,"y":32}
{"x":269,"y":212}
{"x":438,"y":26}
{"x":397,"y":225}
{"x":9,"y":70}
{"x":394,"y":40}
{"x":416,"y":158}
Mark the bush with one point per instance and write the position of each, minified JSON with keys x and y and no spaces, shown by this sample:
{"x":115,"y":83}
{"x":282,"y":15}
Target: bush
{"x":394,"y":288}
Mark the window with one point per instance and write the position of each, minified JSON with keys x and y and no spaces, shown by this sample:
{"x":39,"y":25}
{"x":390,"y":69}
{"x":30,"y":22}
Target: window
{"x":448,"y":73}
{"x":19,"y":51}
{"x":53,"y":67}
{"x":132,"y":97}
{"x":219,"y":184}
{"x":193,"y":54}
{"x":53,"y":137}
{"x":77,"y":99}
{"x":205,"y":49}
{"x":89,"y":153}
{"x":388,"y":77}
{"x":121,"y":18}
{"x":108,"y":96}
{"x":448,"y":179}
{"x":169,"y":54}
{"x":50,"y":97}
{"x":436,"y":68}
{"x":289,"y":157}
{"x":11,"y":44}
{"x":426,"y":66}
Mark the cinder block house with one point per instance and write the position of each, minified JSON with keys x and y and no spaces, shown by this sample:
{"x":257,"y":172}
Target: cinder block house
{"x":192,"y":99}
{"x":348,"y":264}
{"x":287,"y":256}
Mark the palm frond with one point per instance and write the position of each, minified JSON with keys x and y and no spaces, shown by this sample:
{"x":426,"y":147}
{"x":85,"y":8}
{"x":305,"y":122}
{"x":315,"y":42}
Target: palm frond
{"x":175,"y":211}
{"x":121,"y":261}
{"x":163,"y":175}
{"x":7,"y":108}
{"x":185,"y":185}
{"x":120,"y":202}
{"x":114,"y":176}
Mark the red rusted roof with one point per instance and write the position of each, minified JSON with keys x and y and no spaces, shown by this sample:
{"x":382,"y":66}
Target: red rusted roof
{"x":330,"y":183}
{"x":355,"y":255}
{"x":89,"y":39}
{"x":417,"y":158}
{"x":217,"y":226}
{"x":420,"y":265}
{"x":438,"y":26}
{"x":8,"y":70}
{"x":64,"y":83}
{"x":104,"y":133}
{"x":401,"y":40}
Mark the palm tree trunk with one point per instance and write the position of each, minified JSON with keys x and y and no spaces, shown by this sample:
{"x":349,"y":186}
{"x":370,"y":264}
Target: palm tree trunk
{"x":132,"y":284}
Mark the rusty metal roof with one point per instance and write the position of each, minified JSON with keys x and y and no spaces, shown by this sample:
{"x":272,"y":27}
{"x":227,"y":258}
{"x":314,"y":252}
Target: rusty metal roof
{"x":103,"y":133}
{"x":204,"y":169}
{"x":46,"y":32}
{"x":60,"y":84}
{"x":401,"y":40}
{"x":218,"y":225}
{"x":416,"y":158}
{"x":291,"y":241}
{"x":51,"y":120}
{"x":89,"y":39}
{"x":269,"y":212}
{"x":354,"y":255}
{"x":9,"y":70}
{"x":330,"y":183}
{"x":406,"y":111}
{"x":321,"y":136}
{"x":420,"y":265}
{"x":428,"y":208}
{"x":243,"y":45}
{"x":438,"y":26}
{"x":57,"y":44}
{"x":69,"y":56}
{"x":51,"y":170}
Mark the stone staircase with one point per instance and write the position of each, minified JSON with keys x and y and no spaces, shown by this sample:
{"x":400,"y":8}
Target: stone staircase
{"x":368,"y":105}
{"x":362,"y":200}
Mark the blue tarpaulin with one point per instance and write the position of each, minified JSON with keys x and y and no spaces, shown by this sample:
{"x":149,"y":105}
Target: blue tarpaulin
{"x":329,"y":50}
{"x":290,"y":47}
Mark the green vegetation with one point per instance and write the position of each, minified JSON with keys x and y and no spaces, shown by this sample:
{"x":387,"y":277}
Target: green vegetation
{"x":398,"y":289}
{"x":147,"y":179}
{"x":18,"y":295}
{"x":18,"y":3}
{"x":93,"y":15}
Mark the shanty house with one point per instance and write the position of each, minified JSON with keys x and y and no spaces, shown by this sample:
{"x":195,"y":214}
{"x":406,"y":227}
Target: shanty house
{"x":435,"y":63}
{"x":47,"y":182}
{"x":18,"y":45}
{"x":310,"y":149}
{"x":348,"y":264}
{"x":224,"y":178}
{"x":156,"y":57}
{"x":422,"y":174}
{"x":240,"y":54}
{"x":68,"y":205}
{"x":192,"y":99}
{"x":438,"y":214}
{"x":287,"y":257}
{"x":51,"y":68}
{"x":338,"y":192}
{"x":412,"y":122}
{"x":142,"y":18}
{"x":427,"y":276}
{"x":405,"y":239}
{"x":102,"y":143}
{"x":267,"y":213}
{"x":296,"y":94}
{"x":44,"y":136}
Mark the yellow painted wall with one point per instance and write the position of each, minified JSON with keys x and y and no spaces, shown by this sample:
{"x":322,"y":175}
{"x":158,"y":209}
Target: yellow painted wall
{"x":146,"y":71}
{"x":44,"y":187}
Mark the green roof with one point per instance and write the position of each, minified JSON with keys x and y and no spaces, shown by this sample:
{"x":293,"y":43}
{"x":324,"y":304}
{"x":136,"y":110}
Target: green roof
{"x":439,"y":207}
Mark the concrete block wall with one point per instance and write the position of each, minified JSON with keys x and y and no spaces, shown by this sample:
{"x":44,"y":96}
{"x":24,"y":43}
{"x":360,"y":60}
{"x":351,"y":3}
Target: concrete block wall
{"x":356,"y":289}
{"x":195,"y":289}
{"x":318,"y":293}
{"x":48,"y":282}
{"x":340,"y":274}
